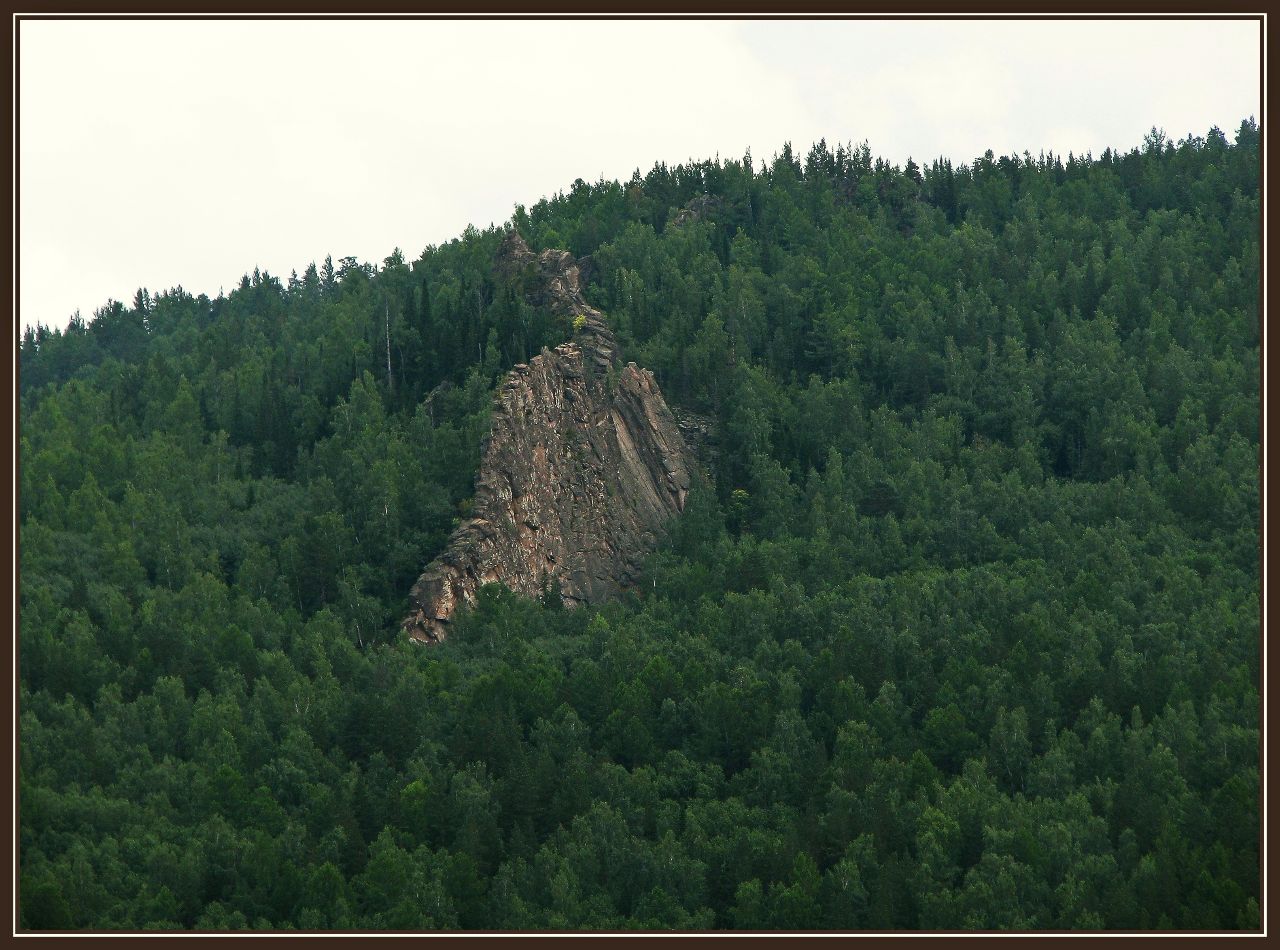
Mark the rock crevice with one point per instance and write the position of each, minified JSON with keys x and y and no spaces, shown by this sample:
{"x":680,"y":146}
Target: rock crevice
{"x":583,"y":467}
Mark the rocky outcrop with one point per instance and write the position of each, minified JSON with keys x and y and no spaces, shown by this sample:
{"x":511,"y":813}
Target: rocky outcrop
{"x":699,"y":207}
{"x":583,"y":467}
{"x":701,"y":435}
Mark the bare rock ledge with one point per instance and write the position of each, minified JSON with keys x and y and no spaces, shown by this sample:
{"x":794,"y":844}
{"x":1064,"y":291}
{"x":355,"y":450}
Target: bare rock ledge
{"x":584,"y":466}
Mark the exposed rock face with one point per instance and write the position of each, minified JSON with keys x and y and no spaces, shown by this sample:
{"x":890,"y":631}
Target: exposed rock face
{"x":700,"y":435}
{"x":698,"y":208}
{"x":583,"y":467}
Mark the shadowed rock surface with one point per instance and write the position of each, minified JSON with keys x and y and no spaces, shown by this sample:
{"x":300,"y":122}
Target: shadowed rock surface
{"x":583,"y":466}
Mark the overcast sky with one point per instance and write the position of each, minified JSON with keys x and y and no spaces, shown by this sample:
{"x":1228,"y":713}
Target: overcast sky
{"x":186,"y":153}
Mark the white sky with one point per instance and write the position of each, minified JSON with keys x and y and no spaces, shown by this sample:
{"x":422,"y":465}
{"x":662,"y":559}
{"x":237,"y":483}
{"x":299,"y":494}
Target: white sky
{"x":159,"y":153}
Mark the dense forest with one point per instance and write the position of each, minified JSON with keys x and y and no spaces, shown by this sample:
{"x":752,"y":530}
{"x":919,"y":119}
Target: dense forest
{"x":962,"y":633}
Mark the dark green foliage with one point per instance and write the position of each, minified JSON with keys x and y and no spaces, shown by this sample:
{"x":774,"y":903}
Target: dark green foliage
{"x":965,"y":634}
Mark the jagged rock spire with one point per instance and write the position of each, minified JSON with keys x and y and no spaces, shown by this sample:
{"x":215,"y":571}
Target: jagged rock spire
{"x":583,"y":467}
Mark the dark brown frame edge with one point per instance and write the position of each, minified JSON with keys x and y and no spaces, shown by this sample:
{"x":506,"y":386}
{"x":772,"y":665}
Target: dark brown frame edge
{"x":660,"y":9}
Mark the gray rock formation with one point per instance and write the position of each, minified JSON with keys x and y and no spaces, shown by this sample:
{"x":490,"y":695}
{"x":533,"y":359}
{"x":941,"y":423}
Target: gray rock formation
{"x":583,"y":467}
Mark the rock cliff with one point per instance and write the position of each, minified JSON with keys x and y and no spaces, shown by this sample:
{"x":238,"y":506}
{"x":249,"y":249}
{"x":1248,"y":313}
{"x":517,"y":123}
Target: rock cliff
{"x":583,"y":467}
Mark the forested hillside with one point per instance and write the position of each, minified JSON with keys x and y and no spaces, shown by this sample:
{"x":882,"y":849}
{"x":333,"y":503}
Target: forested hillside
{"x":965,"y":636}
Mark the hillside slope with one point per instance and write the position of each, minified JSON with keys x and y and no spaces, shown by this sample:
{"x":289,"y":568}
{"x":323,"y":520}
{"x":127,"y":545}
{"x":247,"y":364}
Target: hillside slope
{"x":963,"y":632}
